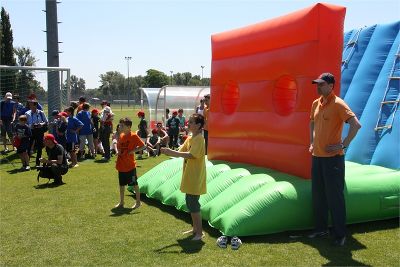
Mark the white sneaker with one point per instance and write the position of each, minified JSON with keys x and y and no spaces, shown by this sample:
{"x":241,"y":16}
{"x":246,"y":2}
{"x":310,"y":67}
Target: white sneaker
{"x":236,"y":243}
{"x":222,"y":241}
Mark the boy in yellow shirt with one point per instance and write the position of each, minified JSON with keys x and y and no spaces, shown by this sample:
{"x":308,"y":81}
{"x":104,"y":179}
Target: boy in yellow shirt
{"x":193,"y":182}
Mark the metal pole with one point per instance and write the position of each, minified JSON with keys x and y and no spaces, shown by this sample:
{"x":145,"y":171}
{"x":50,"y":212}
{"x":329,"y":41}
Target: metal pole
{"x":127,"y":61}
{"x":171,"y":75}
{"x":202,"y":67}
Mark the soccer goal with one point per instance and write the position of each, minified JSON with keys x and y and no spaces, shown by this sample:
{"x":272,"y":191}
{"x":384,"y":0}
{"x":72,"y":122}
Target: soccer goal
{"x":51,"y":85}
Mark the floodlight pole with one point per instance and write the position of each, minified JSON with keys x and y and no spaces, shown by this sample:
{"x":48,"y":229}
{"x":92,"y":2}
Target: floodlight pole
{"x":171,"y":75}
{"x":202,"y":68}
{"x":129,"y":95}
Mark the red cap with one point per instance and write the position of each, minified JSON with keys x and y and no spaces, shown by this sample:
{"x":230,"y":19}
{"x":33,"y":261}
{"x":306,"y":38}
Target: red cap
{"x":50,"y":137}
{"x":140,"y":113}
{"x":175,"y":112}
{"x":95,"y":111}
{"x":32,"y":96}
{"x":64,"y":114}
{"x":154,"y":131}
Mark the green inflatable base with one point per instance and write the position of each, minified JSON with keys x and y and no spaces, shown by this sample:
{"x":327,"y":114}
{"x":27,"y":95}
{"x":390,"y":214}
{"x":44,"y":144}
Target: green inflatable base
{"x":246,"y":200}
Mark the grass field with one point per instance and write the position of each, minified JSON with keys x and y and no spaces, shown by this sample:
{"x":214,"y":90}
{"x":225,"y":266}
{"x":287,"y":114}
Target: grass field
{"x":75,"y":225}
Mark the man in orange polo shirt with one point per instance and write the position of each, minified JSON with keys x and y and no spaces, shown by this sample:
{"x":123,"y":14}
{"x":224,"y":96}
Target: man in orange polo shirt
{"x":328,"y":113}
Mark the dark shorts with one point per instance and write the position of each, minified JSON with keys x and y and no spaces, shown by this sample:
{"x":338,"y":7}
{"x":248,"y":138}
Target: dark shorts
{"x":23,"y":147}
{"x":71,"y":147}
{"x":6,"y":128}
{"x":192,"y":203}
{"x":127,"y":178}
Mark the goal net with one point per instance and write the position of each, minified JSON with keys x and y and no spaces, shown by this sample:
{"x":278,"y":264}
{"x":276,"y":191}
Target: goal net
{"x":51,"y":85}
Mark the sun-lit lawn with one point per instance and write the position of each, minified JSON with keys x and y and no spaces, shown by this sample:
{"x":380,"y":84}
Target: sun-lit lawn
{"x":75,"y":224}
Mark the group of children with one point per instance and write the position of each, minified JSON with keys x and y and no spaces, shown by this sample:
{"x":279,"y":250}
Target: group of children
{"x":66,"y":129}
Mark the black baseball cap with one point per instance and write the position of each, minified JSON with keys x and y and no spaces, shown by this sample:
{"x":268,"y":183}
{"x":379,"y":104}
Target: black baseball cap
{"x":325,"y":77}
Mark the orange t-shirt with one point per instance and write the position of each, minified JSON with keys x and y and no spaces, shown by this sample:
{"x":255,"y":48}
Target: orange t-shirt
{"x":328,"y":123}
{"x":127,"y":143}
{"x":205,"y":114}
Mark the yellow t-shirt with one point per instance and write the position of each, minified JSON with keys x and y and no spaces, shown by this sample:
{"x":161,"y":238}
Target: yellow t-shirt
{"x":194,"y":170}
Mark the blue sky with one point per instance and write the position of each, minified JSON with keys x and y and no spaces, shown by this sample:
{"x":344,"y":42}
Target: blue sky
{"x":163,"y":35}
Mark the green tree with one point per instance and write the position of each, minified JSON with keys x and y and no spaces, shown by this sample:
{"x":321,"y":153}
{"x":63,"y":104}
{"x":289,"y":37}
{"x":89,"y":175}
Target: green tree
{"x":26,"y":79}
{"x":205,"y":82}
{"x":78,"y":87}
{"x":195,"y":81}
{"x":186,"y":79}
{"x":136,"y":83}
{"x":155,"y":79}
{"x":8,"y":77}
{"x":112,"y":84}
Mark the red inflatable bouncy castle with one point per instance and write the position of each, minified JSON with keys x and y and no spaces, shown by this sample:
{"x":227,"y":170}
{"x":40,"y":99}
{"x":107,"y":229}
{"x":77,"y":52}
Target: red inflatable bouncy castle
{"x":261,"y":91}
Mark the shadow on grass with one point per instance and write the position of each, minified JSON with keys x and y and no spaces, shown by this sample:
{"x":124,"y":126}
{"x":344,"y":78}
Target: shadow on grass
{"x":101,"y":161}
{"x":48,"y":185}
{"x":10,"y":158}
{"x":14,"y":171}
{"x":185,"y":245}
{"x":181,"y":215}
{"x":336,"y":256}
{"x":116,"y":212}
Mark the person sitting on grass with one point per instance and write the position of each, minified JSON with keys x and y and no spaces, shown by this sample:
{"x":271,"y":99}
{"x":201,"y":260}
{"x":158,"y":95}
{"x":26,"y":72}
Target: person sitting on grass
{"x":128,"y":144}
{"x":162,"y":134}
{"x":153,"y":143}
{"x":115,"y":137}
{"x":22,"y":135}
{"x":193,"y":182}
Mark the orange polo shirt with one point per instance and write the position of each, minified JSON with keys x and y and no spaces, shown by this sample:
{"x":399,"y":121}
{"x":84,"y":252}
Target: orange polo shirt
{"x":328,"y":123}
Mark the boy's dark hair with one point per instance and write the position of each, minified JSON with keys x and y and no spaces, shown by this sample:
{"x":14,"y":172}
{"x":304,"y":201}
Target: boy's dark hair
{"x":86,"y":106}
{"x":127,"y":122}
{"x":180,"y":110}
{"x":23,"y":118}
{"x":70,"y":110}
{"x":207,"y":96}
{"x":198,"y":119}
{"x":74,"y":104}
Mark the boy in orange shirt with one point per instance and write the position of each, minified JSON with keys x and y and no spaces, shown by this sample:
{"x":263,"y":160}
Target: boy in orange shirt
{"x":128,"y":144}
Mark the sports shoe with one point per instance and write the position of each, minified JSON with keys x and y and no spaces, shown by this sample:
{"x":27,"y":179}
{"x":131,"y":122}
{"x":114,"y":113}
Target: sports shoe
{"x":27,"y":168}
{"x":236,"y":243}
{"x":222,"y":241}
{"x":339,"y":242}
{"x":318,"y":234}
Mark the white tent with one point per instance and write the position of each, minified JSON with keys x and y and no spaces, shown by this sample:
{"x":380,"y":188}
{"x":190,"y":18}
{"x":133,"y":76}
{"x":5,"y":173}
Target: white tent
{"x":173,"y":98}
